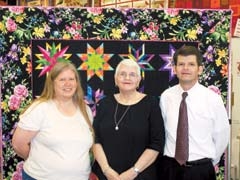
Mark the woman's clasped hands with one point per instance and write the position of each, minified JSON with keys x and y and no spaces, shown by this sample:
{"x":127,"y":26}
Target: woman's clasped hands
{"x":111,"y":174}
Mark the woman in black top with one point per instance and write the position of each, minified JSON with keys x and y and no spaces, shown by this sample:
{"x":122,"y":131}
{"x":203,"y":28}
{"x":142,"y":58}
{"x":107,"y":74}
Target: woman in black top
{"x":129,"y":130}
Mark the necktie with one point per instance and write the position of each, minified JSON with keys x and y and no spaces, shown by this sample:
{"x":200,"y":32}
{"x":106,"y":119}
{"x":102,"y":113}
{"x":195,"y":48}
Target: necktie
{"x":182,"y":150}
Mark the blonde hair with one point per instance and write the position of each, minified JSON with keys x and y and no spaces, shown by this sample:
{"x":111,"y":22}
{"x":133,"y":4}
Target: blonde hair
{"x":48,"y":92}
{"x":128,"y":62}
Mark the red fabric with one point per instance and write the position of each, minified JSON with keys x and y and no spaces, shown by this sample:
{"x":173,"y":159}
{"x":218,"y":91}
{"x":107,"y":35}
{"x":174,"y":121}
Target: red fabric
{"x":2,"y":3}
{"x":93,"y":176}
{"x":235,"y":6}
{"x":183,"y":4}
{"x":213,"y":4}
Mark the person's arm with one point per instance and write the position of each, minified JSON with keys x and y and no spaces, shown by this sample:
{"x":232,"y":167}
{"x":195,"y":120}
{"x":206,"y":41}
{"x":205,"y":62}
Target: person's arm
{"x":221,"y":133}
{"x":98,"y":150}
{"x":21,"y":141}
{"x":102,"y":161}
{"x":145,"y":160}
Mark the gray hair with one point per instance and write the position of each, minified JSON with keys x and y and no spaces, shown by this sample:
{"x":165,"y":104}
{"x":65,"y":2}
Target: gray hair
{"x":128,"y":62}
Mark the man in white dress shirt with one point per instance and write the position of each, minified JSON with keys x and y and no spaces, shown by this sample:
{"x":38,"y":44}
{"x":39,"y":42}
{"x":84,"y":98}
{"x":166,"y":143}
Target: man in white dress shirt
{"x":208,"y":125}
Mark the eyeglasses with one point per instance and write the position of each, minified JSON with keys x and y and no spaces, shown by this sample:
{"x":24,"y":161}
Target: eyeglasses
{"x":124,"y":75}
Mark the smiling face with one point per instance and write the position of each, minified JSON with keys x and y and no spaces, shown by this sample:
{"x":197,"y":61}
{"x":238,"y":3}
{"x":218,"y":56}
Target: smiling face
{"x":65,"y":85}
{"x":127,"y":78}
{"x":187,"y":70}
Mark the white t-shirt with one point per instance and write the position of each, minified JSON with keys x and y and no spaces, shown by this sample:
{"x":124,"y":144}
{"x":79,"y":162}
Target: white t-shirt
{"x":60,"y":150}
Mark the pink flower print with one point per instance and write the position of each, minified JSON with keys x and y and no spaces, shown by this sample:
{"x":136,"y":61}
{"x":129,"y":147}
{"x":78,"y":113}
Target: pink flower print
{"x":215,"y":89}
{"x":148,"y":31}
{"x":76,"y":26}
{"x":95,"y":11}
{"x":77,"y":36}
{"x":11,"y":25}
{"x":17,"y":9}
{"x":14,"y":102}
{"x":19,"y":167}
{"x":71,"y":30}
{"x":153,"y":26}
{"x":216,"y":168}
{"x":17,"y":175}
{"x":172,"y":12}
{"x":21,"y":91}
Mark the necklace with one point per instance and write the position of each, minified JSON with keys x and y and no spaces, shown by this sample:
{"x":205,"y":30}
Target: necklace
{"x":115,"y":117}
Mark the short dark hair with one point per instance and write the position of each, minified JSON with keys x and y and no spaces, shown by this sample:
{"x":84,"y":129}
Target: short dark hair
{"x":186,"y":51}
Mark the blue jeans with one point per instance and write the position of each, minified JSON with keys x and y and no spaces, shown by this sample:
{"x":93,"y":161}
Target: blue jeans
{"x":25,"y":176}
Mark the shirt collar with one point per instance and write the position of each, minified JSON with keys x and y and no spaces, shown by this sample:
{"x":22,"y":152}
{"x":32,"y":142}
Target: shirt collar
{"x":190,"y":91}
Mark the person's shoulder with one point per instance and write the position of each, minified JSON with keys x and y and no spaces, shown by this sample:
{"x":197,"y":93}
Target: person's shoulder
{"x":211,"y":94}
{"x":151,"y":99}
{"x":106,"y":100}
{"x":170,"y":90}
{"x":88,"y":108}
{"x":38,"y":107}
{"x":210,"y":90}
{"x":36,"y":104}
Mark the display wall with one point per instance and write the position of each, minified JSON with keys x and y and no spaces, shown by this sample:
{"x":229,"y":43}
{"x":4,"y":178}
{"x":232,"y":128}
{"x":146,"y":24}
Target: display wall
{"x":20,"y":26}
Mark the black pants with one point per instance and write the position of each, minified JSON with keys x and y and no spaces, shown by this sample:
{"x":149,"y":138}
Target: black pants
{"x":169,"y":169}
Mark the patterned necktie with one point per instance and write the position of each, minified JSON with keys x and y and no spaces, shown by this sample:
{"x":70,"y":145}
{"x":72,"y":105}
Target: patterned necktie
{"x":182,"y":150}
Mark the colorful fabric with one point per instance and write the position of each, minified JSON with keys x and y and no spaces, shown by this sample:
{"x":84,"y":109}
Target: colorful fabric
{"x":20,"y":25}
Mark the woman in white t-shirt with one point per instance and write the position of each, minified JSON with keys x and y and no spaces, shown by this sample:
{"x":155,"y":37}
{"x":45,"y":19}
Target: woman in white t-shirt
{"x":54,"y":134}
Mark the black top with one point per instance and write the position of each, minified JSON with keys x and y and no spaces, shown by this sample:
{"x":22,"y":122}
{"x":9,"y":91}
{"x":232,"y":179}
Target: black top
{"x":142,"y":127}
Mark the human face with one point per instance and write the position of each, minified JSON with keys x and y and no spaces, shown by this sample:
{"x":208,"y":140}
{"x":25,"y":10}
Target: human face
{"x":187,"y":70}
{"x":65,"y":85}
{"x":127,"y":78}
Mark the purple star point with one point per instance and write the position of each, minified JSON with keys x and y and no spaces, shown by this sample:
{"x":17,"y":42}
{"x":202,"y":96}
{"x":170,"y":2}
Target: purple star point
{"x":168,"y":62}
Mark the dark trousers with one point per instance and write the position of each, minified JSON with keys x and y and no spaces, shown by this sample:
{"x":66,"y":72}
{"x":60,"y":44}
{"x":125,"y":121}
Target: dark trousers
{"x":169,"y":169}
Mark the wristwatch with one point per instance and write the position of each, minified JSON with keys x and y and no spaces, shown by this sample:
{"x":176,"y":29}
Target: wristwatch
{"x":136,"y":170}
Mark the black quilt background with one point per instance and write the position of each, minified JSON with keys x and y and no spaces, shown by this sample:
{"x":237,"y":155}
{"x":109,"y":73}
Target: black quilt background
{"x":154,"y":80}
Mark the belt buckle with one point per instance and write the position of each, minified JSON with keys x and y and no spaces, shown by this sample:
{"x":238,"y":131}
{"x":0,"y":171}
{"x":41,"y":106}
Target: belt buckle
{"x":186,"y":164}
